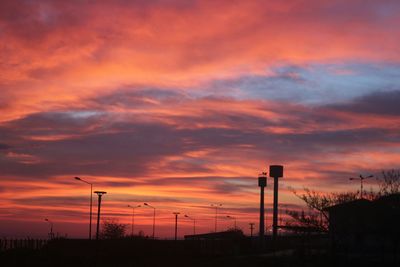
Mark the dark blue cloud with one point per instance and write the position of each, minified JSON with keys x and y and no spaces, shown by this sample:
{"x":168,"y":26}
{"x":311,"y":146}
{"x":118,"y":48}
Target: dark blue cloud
{"x":4,"y":146}
{"x":317,"y":84}
{"x":380,"y":103}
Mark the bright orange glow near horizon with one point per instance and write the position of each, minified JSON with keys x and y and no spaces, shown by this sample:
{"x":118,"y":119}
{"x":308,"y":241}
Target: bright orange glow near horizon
{"x":182,"y":104}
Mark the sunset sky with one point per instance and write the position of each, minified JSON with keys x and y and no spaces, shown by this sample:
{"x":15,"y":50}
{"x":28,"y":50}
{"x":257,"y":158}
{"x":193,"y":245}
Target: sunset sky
{"x":182,"y":104}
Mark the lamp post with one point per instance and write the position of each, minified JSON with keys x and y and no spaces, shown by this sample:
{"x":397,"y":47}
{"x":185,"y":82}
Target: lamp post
{"x":216,"y":206}
{"x":99,"y":194}
{"x":194,"y":223}
{"x":133,"y":218}
{"x":233,"y":218}
{"x":154,"y":216}
{"x":361,"y":178}
{"x":176,"y":224}
{"x":51,"y":228}
{"x":91,"y":196}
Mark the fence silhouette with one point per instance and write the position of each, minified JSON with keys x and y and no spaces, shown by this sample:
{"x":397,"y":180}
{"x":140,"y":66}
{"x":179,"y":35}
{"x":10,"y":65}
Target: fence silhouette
{"x":6,"y":244}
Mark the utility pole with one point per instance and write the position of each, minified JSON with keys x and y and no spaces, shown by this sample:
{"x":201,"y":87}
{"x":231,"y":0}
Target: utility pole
{"x":251,"y":229}
{"x":99,"y":194}
{"x":275,"y":171}
{"x":176,"y":224}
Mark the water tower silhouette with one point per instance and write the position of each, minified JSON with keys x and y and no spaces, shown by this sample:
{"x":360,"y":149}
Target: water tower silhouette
{"x":262,"y":183}
{"x":276,"y":172}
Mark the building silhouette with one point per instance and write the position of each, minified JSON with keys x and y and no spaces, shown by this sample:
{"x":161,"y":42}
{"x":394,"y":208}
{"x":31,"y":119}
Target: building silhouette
{"x":363,"y":224}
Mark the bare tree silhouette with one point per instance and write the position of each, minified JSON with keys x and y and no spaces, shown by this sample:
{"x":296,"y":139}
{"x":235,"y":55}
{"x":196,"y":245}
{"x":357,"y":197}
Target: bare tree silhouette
{"x":317,"y":216}
{"x":389,"y":182}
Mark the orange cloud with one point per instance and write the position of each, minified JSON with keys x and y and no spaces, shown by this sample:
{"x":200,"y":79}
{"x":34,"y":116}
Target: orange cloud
{"x":58,"y":54}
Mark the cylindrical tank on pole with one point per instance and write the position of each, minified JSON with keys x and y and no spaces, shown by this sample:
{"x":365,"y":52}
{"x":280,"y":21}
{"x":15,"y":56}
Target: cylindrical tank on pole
{"x":276,"y":172}
{"x":262,"y":183}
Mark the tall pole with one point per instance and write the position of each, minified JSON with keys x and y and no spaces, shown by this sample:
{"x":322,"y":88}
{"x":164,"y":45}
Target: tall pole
{"x":275,"y":171}
{"x":99,"y":194}
{"x":154,"y":222}
{"x":216,"y":214}
{"x":176,"y":225}
{"x":133,"y":221}
{"x":154,"y":216}
{"x":90,"y":212}
{"x":275,"y":213}
{"x":98,"y":217}
{"x":251,"y":229}
{"x":133,"y":218}
{"x":262,"y":183}
{"x":216,"y":218}
{"x":90,"y":216}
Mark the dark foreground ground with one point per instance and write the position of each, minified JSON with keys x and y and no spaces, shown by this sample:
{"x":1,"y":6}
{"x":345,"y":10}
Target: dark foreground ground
{"x":243,"y":252}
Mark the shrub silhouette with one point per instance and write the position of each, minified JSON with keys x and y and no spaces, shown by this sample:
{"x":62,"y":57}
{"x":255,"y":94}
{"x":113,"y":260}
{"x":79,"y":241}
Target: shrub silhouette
{"x":111,"y":229}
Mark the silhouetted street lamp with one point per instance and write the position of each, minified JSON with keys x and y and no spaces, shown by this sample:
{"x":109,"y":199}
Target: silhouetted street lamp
{"x":91,"y":194}
{"x":361,"y":178}
{"x":133,"y":218}
{"x":194,"y":223}
{"x":233,"y":218}
{"x":100,"y":194}
{"x":51,"y":228}
{"x":154,"y":217}
{"x":216,"y":206}
{"x":176,"y":224}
